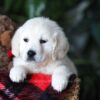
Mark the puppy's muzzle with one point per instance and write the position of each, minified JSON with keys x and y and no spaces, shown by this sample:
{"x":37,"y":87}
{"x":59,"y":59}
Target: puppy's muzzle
{"x":31,"y":54}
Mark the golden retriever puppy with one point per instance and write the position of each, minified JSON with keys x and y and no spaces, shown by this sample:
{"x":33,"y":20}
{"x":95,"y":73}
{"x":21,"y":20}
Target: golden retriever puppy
{"x":40,"y":46}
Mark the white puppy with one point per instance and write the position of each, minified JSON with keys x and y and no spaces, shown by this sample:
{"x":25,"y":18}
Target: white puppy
{"x":40,"y":46}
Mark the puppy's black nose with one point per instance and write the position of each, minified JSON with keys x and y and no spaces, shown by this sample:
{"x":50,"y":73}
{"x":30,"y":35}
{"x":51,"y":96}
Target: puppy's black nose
{"x":31,"y":53}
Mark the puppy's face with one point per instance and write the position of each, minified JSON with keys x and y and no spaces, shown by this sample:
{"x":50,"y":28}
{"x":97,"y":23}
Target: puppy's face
{"x":36,"y":43}
{"x":39,"y":39}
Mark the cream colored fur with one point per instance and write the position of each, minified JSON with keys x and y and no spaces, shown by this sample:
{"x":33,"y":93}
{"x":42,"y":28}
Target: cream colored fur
{"x":51,"y":57}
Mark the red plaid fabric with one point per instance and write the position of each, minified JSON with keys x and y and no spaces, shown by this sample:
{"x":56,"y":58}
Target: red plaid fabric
{"x":26,"y":90}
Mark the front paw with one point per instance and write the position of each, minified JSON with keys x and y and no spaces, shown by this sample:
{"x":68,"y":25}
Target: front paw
{"x":17,"y":75}
{"x":59,"y":83}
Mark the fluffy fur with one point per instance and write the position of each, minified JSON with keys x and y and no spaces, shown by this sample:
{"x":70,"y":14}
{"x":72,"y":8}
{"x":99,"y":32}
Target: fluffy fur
{"x":50,"y":56}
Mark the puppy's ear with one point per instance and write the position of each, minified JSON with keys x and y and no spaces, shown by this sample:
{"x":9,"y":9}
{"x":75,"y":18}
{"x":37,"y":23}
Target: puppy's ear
{"x":15,"y":43}
{"x":60,"y":46}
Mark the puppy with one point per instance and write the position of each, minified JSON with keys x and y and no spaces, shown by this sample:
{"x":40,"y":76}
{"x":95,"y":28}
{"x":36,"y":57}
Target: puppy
{"x":40,"y":46}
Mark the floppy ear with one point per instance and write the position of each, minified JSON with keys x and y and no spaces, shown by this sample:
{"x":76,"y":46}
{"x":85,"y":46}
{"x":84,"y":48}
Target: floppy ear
{"x":60,"y":46}
{"x":15,"y":43}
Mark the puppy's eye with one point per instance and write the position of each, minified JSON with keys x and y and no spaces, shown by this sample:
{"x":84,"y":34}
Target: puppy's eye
{"x":26,"y":40}
{"x":43,"y":41}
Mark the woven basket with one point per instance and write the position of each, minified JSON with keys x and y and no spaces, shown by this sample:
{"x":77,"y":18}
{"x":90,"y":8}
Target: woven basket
{"x":73,"y":91}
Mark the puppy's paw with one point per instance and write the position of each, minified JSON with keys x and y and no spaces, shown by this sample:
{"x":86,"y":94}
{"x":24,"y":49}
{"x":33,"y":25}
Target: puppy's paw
{"x":59,"y":83}
{"x":17,"y":75}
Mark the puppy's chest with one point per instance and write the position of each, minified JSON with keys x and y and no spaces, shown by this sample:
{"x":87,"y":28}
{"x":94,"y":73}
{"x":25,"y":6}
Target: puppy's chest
{"x":42,"y":69}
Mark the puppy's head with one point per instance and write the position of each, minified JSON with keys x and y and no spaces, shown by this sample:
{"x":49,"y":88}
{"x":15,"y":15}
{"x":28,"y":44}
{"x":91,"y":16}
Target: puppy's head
{"x":38,"y":40}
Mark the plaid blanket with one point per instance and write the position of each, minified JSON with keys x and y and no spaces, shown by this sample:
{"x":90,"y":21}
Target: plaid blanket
{"x":27,"y":91}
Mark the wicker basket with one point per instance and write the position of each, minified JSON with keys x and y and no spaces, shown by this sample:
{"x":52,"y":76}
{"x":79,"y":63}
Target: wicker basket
{"x":73,"y":91}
